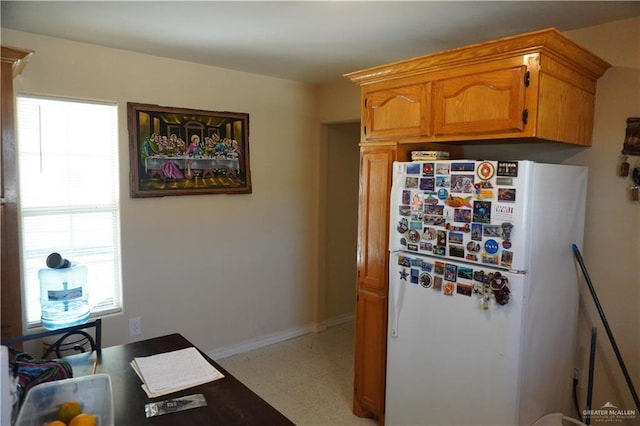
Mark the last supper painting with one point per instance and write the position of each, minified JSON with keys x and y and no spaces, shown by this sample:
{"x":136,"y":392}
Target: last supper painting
{"x":180,"y":151}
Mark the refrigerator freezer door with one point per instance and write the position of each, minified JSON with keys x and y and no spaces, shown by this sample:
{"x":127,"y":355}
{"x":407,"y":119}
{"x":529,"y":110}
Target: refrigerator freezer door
{"x":450,"y":362}
{"x":463,"y":210}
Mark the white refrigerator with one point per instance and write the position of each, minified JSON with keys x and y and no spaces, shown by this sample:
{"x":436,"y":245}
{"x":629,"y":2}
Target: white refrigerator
{"x":483,"y":291}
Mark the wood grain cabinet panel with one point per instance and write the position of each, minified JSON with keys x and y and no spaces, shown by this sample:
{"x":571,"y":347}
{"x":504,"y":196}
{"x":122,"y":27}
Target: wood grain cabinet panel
{"x":397,"y":112}
{"x":490,"y":102}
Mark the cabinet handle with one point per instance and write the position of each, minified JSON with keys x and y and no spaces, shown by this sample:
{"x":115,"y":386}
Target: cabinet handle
{"x":525,"y":116}
{"x":527,"y":78}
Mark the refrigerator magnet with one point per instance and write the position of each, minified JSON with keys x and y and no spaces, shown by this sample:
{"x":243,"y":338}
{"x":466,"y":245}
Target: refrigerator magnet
{"x":485,"y":170}
{"x":425,"y":280}
{"x":456,"y":251}
{"x":427,"y":184}
{"x":507,"y":168}
{"x":448,"y":289}
{"x":463,"y":167}
{"x":442,"y":168}
{"x":403,"y":274}
{"x":438,"y":267}
{"x":413,"y":168}
{"x":415,"y":276}
{"x":450,"y":272}
{"x":465,"y":272}
{"x":437,"y":283}
{"x":507,"y":195}
{"x":427,"y":169}
{"x":464,"y":289}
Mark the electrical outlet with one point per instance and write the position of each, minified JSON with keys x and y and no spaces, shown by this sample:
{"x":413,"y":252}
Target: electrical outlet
{"x":577,"y":376}
{"x":135,"y":326}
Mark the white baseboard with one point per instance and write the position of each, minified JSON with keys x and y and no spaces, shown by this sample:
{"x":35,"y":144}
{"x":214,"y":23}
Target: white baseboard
{"x":270,"y":339}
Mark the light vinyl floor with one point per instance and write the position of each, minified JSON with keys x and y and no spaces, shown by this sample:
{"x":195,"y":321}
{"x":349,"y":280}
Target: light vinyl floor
{"x":309,"y":379}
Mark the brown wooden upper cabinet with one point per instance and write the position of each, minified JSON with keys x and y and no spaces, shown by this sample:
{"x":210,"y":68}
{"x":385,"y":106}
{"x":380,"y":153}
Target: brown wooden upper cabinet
{"x":538,"y":85}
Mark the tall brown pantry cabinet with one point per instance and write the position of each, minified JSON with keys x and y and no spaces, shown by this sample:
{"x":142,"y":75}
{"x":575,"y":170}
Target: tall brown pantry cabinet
{"x":533,"y":87}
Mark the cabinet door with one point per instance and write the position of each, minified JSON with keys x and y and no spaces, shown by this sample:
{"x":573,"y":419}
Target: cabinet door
{"x":372,"y":281}
{"x":370,"y":354}
{"x":397,"y":112}
{"x":491,"y":102}
{"x":373,"y":217}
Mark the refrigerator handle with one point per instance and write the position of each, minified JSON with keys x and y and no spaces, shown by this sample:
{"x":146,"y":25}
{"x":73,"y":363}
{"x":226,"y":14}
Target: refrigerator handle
{"x":395,"y":302}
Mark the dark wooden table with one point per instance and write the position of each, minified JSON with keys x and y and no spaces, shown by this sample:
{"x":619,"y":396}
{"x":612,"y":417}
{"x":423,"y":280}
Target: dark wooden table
{"x":229,"y":402}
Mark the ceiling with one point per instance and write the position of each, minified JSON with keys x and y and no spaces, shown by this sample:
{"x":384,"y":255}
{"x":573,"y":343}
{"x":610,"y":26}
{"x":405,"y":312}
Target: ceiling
{"x":309,"y":41}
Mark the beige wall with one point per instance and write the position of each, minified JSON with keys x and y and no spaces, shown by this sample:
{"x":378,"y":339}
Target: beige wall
{"x":223,"y":270}
{"x":343,"y":160}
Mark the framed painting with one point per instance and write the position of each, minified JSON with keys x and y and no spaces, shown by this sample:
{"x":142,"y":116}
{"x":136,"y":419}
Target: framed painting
{"x":180,"y":151}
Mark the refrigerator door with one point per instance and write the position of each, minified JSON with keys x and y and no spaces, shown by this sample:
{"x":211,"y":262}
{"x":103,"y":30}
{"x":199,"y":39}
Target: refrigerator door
{"x":453,"y":351}
{"x":463,"y":210}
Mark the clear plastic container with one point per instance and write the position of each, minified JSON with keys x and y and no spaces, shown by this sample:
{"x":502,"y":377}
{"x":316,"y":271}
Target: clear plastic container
{"x":94,"y":393}
{"x":64,"y":298}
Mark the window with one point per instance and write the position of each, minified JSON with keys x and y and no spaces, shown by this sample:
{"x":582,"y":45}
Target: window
{"x":69,"y":195}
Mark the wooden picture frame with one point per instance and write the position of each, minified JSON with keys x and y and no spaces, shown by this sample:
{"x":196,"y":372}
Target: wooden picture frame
{"x":181,"y":151}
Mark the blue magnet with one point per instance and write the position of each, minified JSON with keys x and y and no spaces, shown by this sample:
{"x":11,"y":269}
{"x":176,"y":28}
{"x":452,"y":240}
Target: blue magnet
{"x":491,"y":246}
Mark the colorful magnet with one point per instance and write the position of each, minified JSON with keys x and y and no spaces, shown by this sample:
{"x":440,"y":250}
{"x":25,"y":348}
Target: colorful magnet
{"x":456,"y":251}
{"x":476,"y":231}
{"x":404,"y":260}
{"x":473,"y":247}
{"x":411,"y":182}
{"x":456,"y":237}
{"x":485,"y":170}
{"x":462,"y":183}
{"x":507,"y":168}
{"x":430,"y":200}
{"x":413,"y":168}
{"x":442,"y":181}
{"x":448,"y":289}
{"x":450,"y":272}
{"x":452,"y":201}
{"x":427,"y":184}
{"x":464,"y":289}
{"x":415,"y":274}
{"x":507,"y":194}
{"x":413,"y":236}
{"x":462,"y":215}
{"x":439,"y":250}
{"x":491,"y":246}
{"x":438,"y":267}
{"x":424,"y":246}
{"x":465,"y":272}
{"x":416,"y":202}
{"x":490,"y":259}
{"x":429,"y":233}
{"x":506,"y":259}
{"x":427,"y":169}
{"x":463,"y":167}
{"x":482,"y":211}
{"x":442,"y":168}
{"x":437,"y":283}
{"x":443,"y":194}
{"x":504,"y":213}
{"x":403,"y":225}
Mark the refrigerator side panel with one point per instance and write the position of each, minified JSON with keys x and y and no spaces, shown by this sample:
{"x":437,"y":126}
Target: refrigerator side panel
{"x":556,"y":217}
{"x":449,"y":362}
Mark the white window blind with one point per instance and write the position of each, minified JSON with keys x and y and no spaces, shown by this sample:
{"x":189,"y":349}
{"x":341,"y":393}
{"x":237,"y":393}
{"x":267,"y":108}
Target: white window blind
{"x":69,"y":195}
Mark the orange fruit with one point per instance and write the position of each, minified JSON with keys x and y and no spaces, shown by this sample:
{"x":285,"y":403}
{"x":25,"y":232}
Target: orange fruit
{"x":83,"y":419}
{"x":68,"y":411}
{"x":55,"y":423}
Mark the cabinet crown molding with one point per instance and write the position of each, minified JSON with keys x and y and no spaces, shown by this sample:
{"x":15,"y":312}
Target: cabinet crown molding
{"x":549,"y":42}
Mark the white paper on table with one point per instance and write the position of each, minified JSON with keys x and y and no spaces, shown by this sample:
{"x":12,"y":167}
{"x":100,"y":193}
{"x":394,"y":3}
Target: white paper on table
{"x":172,"y":371}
